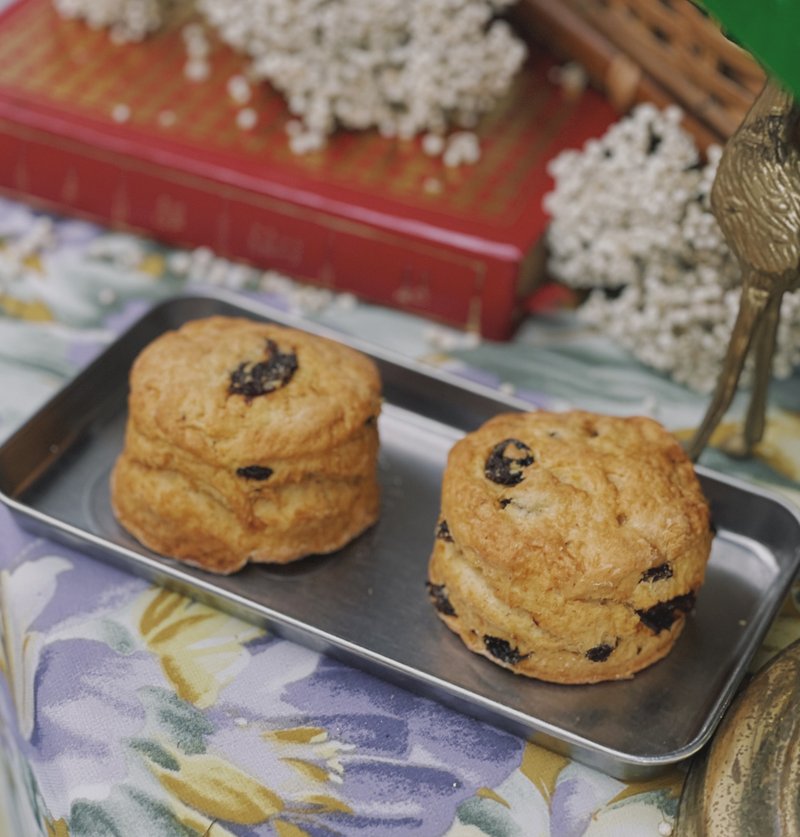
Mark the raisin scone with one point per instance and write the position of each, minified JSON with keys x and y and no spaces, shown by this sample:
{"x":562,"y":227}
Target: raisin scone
{"x":248,"y":441}
{"x":570,"y":546}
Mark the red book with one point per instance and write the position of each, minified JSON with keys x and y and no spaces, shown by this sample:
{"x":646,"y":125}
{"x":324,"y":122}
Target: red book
{"x":368,"y":215}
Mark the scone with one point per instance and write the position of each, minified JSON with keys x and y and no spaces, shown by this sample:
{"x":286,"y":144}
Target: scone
{"x":570,"y":546}
{"x":248,"y":441}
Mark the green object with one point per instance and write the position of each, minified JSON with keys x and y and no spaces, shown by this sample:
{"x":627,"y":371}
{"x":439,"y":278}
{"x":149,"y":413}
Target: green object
{"x":769,"y":29}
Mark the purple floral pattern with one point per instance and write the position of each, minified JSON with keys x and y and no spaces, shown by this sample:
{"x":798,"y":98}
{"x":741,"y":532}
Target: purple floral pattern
{"x":320,"y":747}
{"x":127,"y":709}
{"x":247,"y":734}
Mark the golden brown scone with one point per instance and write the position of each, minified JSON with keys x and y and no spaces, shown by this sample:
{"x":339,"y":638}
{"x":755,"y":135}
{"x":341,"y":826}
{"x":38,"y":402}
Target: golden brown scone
{"x":570,"y":545}
{"x":248,"y":441}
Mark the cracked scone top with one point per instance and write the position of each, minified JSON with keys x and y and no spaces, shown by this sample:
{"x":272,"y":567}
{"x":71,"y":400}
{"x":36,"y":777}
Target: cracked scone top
{"x":570,"y":546}
{"x":248,"y":441}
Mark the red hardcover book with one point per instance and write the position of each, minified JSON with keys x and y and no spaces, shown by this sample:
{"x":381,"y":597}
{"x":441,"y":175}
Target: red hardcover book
{"x":368,"y":215}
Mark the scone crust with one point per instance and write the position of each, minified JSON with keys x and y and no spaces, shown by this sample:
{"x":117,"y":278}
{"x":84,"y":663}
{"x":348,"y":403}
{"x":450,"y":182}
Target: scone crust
{"x":246,"y":442}
{"x":173,"y":515}
{"x":569,"y":536}
{"x":180,"y":392}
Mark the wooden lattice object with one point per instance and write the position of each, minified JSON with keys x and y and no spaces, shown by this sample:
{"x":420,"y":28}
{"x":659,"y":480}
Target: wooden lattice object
{"x":664,"y":51}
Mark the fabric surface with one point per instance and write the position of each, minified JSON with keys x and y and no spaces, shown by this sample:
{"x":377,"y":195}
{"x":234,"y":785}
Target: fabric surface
{"x":126,"y":709}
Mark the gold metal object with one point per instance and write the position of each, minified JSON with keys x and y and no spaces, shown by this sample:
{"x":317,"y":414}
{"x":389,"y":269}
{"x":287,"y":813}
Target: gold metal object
{"x":756,"y":200}
{"x":746,"y":783}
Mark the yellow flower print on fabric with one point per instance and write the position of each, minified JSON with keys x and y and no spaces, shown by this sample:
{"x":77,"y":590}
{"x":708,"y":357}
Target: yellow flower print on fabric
{"x":200,"y":649}
{"x":206,"y":789}
{"x":33,"y":311}
{"x":542,"y":768}
{"x":57,"y":828}
{"x":199,"y":823}
{"x":310,"y":752}
{"x":217,"y":788}
{"x":288,"y":829}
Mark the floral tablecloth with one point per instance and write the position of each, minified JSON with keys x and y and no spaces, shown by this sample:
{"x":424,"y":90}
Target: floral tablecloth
{"x":126,"y":709}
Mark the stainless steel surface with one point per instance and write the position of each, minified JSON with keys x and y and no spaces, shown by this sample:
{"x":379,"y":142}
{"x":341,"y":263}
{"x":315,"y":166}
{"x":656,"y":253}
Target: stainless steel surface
{"x":368,"y":604}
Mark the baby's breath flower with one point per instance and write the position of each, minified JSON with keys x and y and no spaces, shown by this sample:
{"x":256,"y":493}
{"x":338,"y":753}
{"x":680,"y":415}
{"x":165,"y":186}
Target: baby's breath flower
{"x":631,"y":222}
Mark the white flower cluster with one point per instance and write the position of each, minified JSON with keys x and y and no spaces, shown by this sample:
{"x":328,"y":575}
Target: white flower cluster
{"x":402,"y":66}
{"x":126,"y":20}
{"x":631,"y":221}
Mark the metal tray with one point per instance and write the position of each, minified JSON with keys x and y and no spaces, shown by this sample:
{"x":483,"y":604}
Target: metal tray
{"x":367,"y":604}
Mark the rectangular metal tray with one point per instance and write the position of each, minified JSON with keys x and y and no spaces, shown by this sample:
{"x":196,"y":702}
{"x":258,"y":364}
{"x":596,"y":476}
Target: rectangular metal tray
{"x":367,"y":604}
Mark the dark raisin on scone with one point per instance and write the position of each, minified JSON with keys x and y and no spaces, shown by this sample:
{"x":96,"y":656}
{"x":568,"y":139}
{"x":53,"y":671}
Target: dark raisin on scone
{"x":657,"y":573}
{"x":443,"y":531}
{"x":261,"y":377}
{"x":506,"y":461}
{"x":254,"y":472}
{"x":600,"y":653}
{"x":501,"y":649}
{"x":440,"y":600}
{"x":662,"y":616}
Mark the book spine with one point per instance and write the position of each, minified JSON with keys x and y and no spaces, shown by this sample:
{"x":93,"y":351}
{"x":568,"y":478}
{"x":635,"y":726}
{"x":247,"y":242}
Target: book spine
{"x":468,"y":290}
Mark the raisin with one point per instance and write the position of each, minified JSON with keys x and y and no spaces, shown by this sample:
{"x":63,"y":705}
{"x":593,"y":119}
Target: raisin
{"x":439,"y":599}
{"x":254,"y":472}
{"x":504,"y":502}
{"x":600,"y":653}
{"x":658,"y":573}
{"x":502,"y":649}
{"x":443,"y":532}
{"x":506,"y":470}
{"x":254,"y":379}
{"x":660,"y":616}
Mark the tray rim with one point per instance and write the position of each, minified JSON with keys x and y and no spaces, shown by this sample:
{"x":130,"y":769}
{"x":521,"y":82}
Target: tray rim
{"x":177,"y":576}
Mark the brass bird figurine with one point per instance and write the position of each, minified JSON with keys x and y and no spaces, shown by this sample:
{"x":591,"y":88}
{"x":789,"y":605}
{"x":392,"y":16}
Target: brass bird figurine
{"x":756,"y":201}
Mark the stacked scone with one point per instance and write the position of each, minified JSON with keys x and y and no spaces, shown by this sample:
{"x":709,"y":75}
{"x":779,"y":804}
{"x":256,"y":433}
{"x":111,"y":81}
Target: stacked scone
{"x":248,"y":441}
{"x":570,"y":546}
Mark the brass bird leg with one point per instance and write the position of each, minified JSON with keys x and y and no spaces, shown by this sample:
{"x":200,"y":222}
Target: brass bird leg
{"x":764,"y":348}
{"x":753,"y":304}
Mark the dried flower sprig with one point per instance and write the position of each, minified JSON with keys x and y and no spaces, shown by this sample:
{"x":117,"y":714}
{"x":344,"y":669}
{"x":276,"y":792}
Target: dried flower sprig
{"x":405,"y":67}
{"x":631,"y":222}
